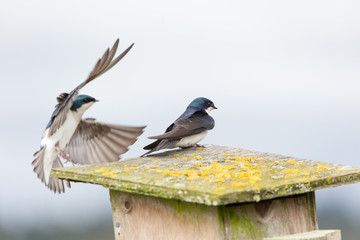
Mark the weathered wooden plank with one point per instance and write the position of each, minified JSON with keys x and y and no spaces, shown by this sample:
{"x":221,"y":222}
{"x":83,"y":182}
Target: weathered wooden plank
{"x":313,"y":235}
{"x":214,"y":175}
{"x":139,"y":217}
{"x":276,"y":217}
{"x":143,"y":217}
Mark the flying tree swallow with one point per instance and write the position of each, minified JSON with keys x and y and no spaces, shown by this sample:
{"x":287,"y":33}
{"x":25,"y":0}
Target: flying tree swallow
{"x":81,"y":141}
{"x":189,"y":129}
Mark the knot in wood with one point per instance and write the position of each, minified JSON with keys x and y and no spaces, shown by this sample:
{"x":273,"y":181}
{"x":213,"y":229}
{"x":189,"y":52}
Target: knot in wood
{"x":127,"y":206}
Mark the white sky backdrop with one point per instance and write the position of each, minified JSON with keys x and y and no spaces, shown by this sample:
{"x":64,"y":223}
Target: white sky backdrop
{"x":284,"y":75}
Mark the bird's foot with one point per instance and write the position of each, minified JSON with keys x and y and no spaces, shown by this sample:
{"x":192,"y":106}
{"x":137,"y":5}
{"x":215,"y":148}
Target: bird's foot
{"x":186,"y":147}
{"x":65,"y":155}
{"x":69,"y":159}
{"x":199,"y":146}
{"x":195,"y":146}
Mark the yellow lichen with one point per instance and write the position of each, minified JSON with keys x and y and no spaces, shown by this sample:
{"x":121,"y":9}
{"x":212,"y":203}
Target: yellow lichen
{"x":255,"y":178}
{"x":328,"y":179}
{"x":219,"y":180}
{"x":321,"y":166}
{"x":292,"y":161}
{"x":239,"y":184}
{"x":104,"y":171}
{"x":110,"y":174}
{"x":305,"y":180}
{"x":291,"y":171}
{"x":198,"y":165}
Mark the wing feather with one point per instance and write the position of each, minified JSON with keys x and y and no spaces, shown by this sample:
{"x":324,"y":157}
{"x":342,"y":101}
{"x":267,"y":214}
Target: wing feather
{"x":120,"y":143}
{"x":102,"y":65}
{"x":106,"y":150}
{"x":111,"y":142}
{"x":197,"y":123}
{"x":94,"y":142}
{"x":95,"y":150}
{"x":103,"y":61}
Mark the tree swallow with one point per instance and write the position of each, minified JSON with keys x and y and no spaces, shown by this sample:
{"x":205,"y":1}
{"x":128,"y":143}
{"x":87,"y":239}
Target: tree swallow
{"x":82,"y":141}
{"x":189,"y":129}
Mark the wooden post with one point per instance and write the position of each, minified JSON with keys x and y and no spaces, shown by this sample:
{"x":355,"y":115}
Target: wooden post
{"x":214,"y":193}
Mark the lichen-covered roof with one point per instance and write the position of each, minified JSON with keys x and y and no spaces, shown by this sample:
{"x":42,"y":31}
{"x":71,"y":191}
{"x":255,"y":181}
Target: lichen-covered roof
{"x":214,"y":175}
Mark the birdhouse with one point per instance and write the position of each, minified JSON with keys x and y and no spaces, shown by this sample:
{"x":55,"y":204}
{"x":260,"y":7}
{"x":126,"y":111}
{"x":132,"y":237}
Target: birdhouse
{"x":215,"y":193}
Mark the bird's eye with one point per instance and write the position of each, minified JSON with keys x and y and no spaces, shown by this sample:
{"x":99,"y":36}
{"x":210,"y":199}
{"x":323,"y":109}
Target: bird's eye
{"x":86,"y":100}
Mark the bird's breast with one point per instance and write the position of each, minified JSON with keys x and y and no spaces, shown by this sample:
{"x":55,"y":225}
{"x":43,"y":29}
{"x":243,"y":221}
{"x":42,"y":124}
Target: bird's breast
{"x":191,"y":140}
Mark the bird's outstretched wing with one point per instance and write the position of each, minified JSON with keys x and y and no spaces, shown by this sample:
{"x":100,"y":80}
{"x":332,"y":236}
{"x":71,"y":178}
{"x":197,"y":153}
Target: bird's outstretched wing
{"x":95,"y":142}
{"x":66,"y":100}
{"x":197,"y":123}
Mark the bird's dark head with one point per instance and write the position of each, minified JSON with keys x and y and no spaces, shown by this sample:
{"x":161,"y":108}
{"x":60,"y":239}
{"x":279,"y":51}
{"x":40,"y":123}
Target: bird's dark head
{"x":203,"y":104}
{"x":82,"y":103}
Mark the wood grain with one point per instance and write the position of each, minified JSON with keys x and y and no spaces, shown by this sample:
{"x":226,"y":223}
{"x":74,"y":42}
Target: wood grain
{"x":153,"y":218}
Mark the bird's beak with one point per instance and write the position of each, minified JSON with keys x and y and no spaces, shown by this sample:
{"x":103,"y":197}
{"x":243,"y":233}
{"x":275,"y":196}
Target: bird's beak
{"x":97,"y":100}
{"x":214,"y":107}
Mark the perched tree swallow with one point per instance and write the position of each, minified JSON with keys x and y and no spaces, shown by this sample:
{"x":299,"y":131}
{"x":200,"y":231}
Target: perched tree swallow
{"x":81,"y":141}
{"x":189,"y":129}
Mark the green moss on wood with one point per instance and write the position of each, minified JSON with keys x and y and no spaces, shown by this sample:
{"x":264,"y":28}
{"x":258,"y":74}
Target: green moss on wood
{"x":248,"y":227}
{"x":185,"y":207}
{"x":221,"y":219}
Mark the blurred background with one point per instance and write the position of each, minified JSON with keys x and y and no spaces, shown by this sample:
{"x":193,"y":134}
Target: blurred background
{"x":284,"y":75}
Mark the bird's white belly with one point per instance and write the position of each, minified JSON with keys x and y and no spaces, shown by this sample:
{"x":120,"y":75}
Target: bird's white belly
{"x":64,"y":133}
{"x":62,"y":136}
{"x":191,"y":140}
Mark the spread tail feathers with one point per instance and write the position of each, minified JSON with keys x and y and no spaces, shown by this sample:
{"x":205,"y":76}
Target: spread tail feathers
{"x":55,"y":184}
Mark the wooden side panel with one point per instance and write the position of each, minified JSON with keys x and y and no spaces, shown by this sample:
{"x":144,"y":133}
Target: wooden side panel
{"x":143,"y":217}
{"x":139,"y":217}
{"x":270,"y":218}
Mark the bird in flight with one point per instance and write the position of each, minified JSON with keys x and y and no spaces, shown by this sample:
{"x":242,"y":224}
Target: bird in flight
{"x":81,"y":141}
{"x":189,"y":129}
